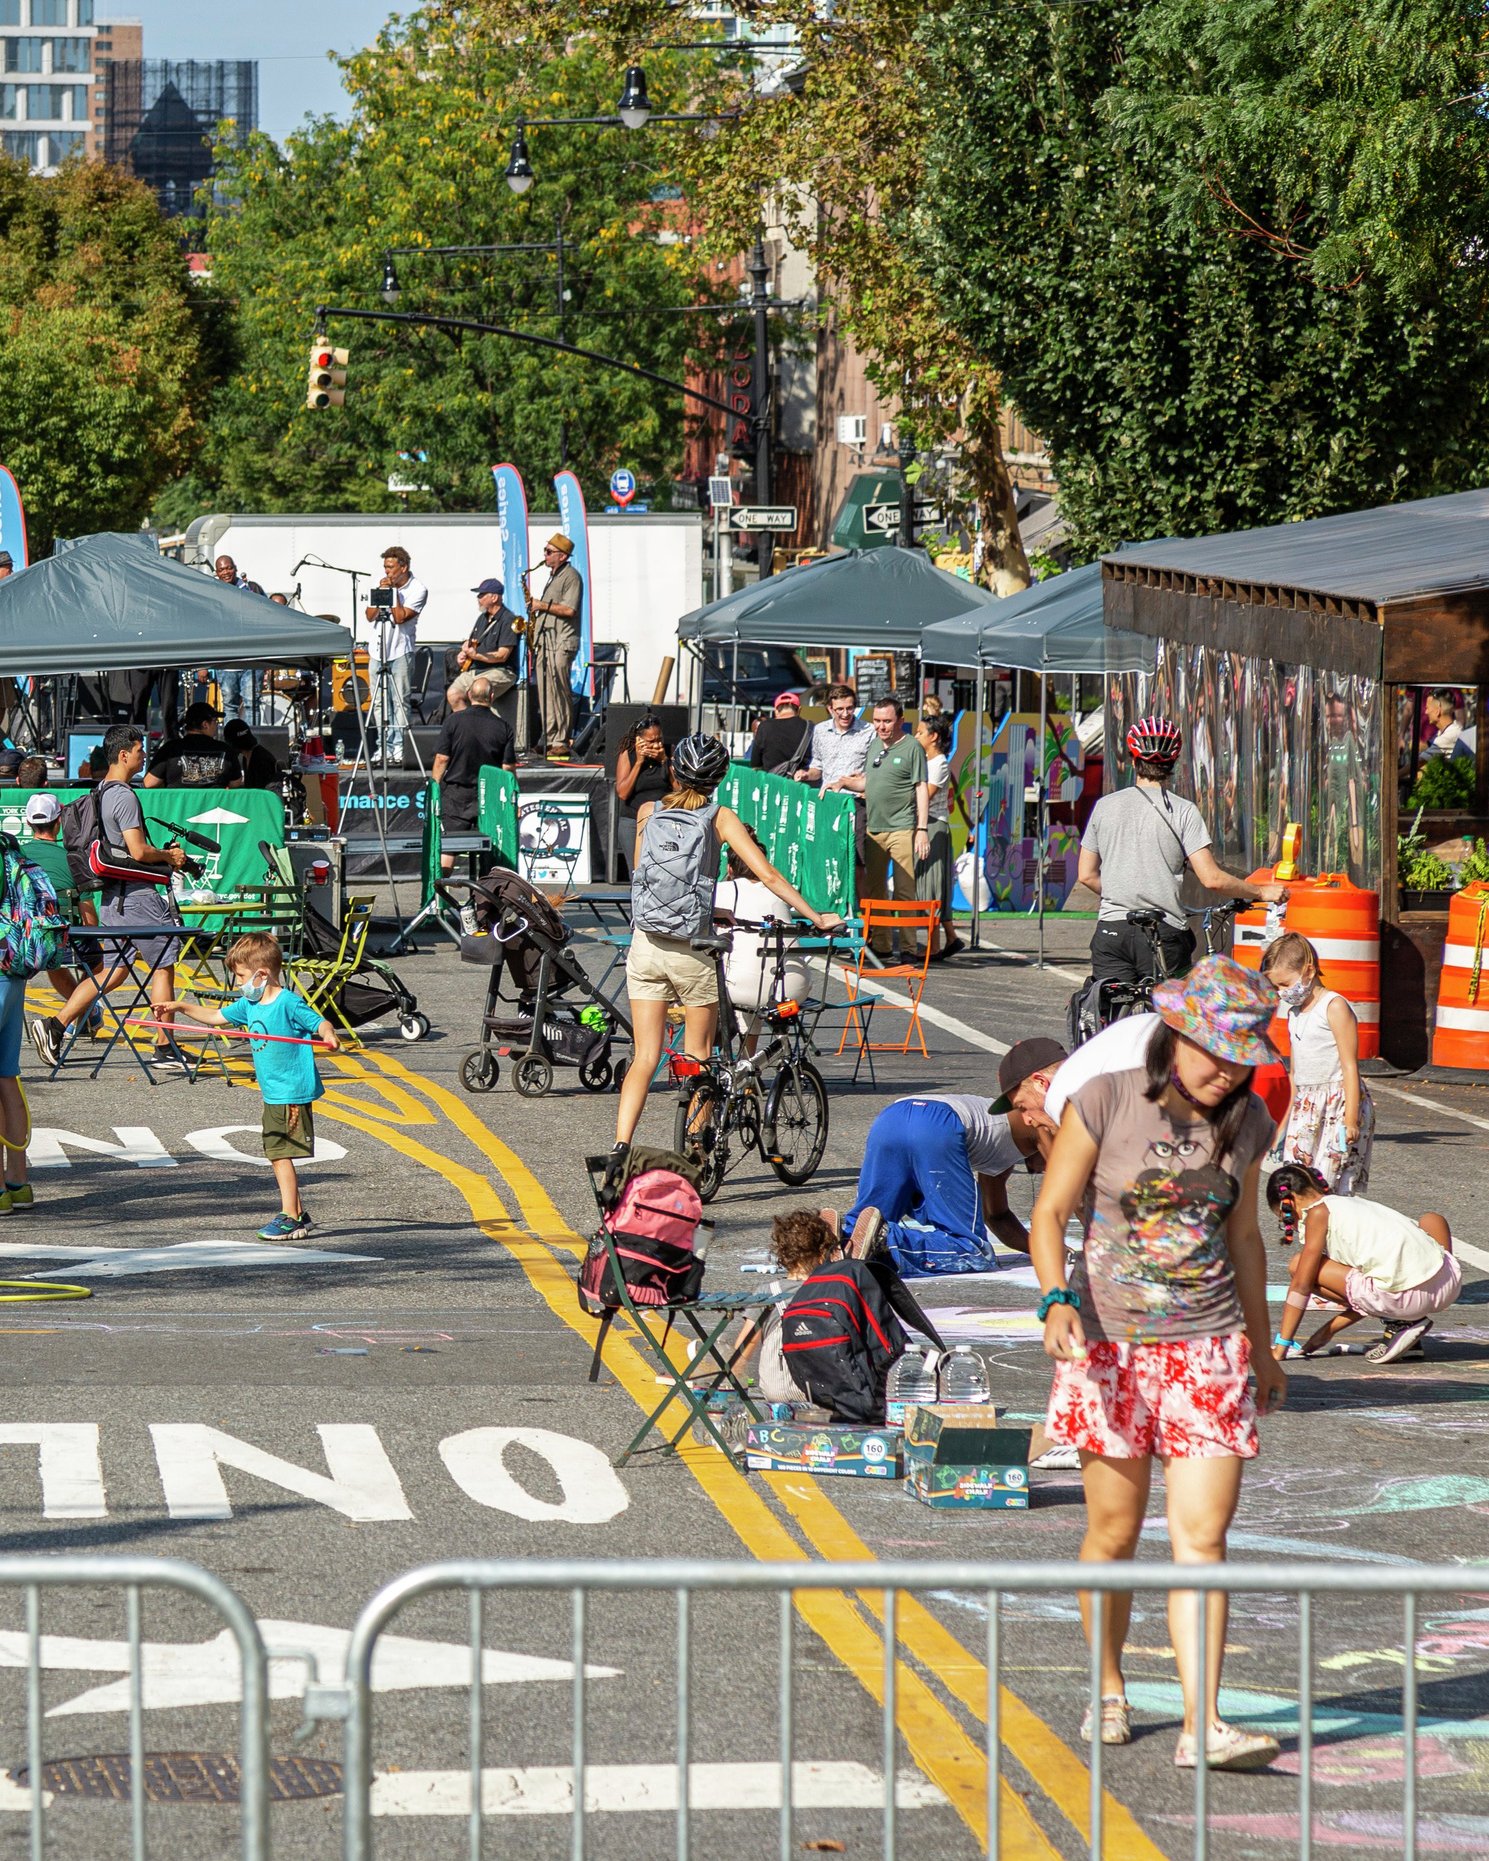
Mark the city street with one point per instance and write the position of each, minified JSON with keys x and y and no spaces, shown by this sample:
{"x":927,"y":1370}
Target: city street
{"x":410,"y":1385}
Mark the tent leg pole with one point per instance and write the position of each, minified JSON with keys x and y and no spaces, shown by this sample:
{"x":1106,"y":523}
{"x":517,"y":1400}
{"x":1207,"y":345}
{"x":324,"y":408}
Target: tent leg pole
{"x":1041,"y":809}
{"x":977,"y":809}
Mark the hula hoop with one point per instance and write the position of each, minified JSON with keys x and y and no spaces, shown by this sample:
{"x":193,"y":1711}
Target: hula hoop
{"x":41,"y":1291}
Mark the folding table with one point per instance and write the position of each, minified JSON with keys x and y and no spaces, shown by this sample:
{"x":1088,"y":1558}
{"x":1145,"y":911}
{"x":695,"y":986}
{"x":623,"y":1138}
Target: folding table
{"x":111,"y":941}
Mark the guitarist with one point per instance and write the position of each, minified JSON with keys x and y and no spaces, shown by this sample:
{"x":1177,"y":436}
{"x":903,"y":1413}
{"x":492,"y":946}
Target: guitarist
{"x":133,"y":902}
{"x":489,"y":653}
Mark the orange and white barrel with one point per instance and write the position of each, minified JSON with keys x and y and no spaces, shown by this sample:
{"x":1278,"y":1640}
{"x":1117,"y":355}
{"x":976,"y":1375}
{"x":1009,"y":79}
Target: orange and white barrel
{"x":1342,"y":922}
{"x":1461,"y":1036}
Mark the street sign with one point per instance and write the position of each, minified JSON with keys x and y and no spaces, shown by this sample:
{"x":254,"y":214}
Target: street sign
{"x":720,"y":493}
{"x":881,"y":518}
{"x":764,"y":517}
{"x":622,"y":485}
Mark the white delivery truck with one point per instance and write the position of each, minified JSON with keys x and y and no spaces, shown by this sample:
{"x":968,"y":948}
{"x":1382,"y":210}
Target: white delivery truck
{"x":646,"y":572}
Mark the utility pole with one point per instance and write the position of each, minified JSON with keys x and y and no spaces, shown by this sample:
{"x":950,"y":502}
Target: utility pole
{"x":907,"y":496}
{"x":760,"y":389}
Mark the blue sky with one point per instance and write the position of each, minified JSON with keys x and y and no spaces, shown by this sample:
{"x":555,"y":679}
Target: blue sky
{"x":288,"y":38}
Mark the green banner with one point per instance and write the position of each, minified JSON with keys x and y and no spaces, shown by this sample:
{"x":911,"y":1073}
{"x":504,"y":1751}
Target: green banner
{"x":238,"y":818}
{"x":807,"y":835}
{"x":496,"y":817}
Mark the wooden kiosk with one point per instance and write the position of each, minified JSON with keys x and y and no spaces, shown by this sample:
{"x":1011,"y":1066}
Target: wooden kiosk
{"x":1295,"y":658}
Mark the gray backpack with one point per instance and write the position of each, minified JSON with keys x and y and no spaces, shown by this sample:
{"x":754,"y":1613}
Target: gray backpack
{"x":677,"y":869}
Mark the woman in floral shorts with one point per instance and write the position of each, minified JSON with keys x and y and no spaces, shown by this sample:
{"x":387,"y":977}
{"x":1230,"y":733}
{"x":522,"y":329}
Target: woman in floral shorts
{"x":1166,"y":1314}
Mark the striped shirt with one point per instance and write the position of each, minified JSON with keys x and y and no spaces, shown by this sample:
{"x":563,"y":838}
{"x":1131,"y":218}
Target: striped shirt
{"x":841,"y":752}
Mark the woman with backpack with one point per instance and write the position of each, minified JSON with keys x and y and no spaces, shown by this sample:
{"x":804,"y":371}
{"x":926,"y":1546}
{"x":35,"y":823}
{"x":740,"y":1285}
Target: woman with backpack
{"x":672,"y":901}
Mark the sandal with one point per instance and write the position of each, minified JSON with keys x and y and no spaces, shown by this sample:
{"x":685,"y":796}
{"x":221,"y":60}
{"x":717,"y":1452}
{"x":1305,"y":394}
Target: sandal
{"x":1227,"y":1748}
{"x":1116,"y":1721}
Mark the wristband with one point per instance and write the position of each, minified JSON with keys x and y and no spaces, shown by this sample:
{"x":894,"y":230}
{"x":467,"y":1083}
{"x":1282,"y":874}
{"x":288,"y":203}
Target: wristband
{"x":1280,"y":1343}
{"x":1062,"y":1295}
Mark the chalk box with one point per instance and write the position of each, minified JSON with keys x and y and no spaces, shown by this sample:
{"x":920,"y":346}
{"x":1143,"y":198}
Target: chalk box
{"x":958,"y":1458}
{"x":825,"y":1447}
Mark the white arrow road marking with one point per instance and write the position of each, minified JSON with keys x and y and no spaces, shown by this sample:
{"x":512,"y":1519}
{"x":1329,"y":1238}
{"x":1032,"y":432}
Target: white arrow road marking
{"x":548,"y":1790}
{"x":193,"y":1256}
{"x":205,"y":1673}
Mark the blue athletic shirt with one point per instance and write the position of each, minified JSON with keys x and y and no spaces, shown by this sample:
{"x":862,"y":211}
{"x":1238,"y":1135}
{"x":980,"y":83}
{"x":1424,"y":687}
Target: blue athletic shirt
{"x":286,"y":1075}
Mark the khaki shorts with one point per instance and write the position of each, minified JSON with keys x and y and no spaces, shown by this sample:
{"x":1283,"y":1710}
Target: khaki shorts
{"x":666,"y":969}
{"x":501,"y":679}
{"x":289,"y":1132}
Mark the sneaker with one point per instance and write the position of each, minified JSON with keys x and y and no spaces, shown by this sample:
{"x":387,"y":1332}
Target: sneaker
{"x":19,"y":1195}
{"x":867,"y":1241}
{"x":1398,"y":1341}
{"x":5,"y":1202}
{"x":1116,"y":1721}
{"x":46,"y":1037}
{"x":285,"y":1228}
{"x":1228,"y":1748}
{"x":166,"y":1060}
{"x":1058,"y":1459}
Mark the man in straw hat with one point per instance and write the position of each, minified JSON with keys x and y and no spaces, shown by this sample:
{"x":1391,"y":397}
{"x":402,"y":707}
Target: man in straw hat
{"x":555,"y":641}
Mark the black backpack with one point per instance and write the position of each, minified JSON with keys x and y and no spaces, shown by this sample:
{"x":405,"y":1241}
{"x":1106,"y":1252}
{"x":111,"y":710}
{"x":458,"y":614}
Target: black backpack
{"x":82,"y":829}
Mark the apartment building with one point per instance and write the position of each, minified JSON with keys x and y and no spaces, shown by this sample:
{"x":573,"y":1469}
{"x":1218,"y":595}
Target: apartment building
{"x":46,"y":84}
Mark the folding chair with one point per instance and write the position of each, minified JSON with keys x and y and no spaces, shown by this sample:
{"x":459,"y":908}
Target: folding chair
{"x":320,"y":979}
{"x":708,"y":1316}
{"x":910,"y":919}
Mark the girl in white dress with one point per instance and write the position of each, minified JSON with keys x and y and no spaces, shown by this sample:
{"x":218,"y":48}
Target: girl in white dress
{"x":1331,"y":1123}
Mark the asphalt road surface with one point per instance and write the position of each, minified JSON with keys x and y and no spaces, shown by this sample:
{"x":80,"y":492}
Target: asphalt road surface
{"x":411,"y":1385}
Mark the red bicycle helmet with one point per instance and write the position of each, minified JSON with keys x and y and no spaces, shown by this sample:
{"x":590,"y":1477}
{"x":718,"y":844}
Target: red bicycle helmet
{"x":1155,"y":739}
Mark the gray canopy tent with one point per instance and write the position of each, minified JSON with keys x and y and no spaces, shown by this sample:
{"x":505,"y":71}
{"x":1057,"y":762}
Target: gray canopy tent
{"x":114,"y":603}
{"x":1054,"y":626}
{"x":876,"y":599}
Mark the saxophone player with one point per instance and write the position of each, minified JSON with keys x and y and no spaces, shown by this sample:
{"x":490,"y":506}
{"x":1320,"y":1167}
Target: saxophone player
{"x":554,"y":617}
{"x":490,"y":652}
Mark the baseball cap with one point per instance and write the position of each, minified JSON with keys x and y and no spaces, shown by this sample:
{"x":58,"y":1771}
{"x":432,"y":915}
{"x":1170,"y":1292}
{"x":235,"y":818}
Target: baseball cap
{"x":42,"y":810}
{"x":787,"y":697}
{"x":1022,"y":1060}
{"x":490,"y":586}
{"x":198,"y":713}
{"x":7,"y":561}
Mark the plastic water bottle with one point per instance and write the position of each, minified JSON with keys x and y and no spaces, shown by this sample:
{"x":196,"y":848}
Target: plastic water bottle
{"x":964,"y":1376}
{"x":912,"y":1380}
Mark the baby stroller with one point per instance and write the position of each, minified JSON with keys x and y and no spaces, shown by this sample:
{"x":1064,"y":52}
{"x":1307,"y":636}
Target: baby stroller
{"x":522,"y":937}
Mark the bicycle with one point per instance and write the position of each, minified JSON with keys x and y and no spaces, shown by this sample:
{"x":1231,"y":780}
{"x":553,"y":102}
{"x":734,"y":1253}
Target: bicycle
{"x":1119,"y":1000}
{"x":726,"y":1099}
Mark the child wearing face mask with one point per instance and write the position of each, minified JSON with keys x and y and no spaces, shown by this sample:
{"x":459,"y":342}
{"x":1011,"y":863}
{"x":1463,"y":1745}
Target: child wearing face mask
{"x":285,"y":1070}
{"x":1331,"y":1125}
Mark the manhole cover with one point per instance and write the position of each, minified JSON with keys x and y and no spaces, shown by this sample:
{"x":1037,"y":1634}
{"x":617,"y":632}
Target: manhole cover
{"x":183,"y":1777}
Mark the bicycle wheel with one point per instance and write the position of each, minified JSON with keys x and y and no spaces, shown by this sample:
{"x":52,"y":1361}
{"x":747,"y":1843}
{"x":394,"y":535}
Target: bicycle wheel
{"x":699,"y":1133}
{"x":796,"y":1122}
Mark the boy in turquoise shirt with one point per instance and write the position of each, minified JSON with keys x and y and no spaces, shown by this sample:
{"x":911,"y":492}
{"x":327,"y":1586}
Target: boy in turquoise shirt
{"x":285,"y":1070}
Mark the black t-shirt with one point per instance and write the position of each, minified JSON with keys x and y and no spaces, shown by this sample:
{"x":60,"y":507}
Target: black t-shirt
{"x":782,"y":745}
{"x":491,"y":632}
{"x":471,"y":739}
{"x":259,"y":768}
{"x":195,"y":761}
{"x":653,"y":780}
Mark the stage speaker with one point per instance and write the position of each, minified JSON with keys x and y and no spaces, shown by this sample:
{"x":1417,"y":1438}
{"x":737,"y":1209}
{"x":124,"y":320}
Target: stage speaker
{"x":341,"y":683}
{"x":675,"y":720}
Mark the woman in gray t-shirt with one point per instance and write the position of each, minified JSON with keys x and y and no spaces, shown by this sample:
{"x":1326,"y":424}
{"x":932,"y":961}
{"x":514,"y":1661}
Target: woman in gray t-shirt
{"x":1166,"y":1314}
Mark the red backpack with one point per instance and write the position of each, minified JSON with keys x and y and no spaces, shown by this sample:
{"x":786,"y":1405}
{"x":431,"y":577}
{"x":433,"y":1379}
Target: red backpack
{"x":653,"y":1228}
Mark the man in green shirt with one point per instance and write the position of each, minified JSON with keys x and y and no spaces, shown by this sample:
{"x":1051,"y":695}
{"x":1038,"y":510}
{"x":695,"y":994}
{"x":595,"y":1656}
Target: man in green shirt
{"x":44,"y":849}
{"x":896,"y":796}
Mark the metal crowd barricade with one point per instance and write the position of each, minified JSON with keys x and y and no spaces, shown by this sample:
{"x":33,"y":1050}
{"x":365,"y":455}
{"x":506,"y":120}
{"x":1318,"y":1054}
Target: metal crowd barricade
{"x":133,"y":1575}
{"x":686,"y":1579}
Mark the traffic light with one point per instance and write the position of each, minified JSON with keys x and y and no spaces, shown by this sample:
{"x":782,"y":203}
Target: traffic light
{"x":326,"y":381}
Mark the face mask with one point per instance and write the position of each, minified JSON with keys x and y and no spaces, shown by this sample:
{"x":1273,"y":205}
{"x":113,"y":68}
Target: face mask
{"x":1295,"y":994}
{"x":253,"y":991}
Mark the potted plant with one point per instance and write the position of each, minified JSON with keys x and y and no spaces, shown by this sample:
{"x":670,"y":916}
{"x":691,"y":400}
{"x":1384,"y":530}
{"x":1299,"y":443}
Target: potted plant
{"x":1425,"y":881}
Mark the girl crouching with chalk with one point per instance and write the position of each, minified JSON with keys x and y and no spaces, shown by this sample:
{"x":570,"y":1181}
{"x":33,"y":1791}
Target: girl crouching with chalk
{"x":1363,"y":1256}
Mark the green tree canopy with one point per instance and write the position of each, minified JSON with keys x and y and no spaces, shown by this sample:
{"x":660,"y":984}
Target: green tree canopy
{"x":420,"y":162}
{"x":1229,"y":255}
{"x":110,"y":349}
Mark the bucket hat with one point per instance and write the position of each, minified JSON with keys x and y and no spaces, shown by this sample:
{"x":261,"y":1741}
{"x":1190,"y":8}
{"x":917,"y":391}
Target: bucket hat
{"x":1223,"y":1008}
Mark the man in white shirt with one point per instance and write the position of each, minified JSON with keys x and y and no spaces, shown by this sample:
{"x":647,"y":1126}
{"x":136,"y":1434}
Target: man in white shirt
{"x":394,"y":635}
{"x":1441,"y":709}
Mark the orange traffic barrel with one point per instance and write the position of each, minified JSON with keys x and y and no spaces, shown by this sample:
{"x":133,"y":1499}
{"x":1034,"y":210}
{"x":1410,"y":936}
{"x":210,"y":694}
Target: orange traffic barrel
{"x":1461,"y":1036}
{"x":1256,"y":927}
{"x":1342,"y":922}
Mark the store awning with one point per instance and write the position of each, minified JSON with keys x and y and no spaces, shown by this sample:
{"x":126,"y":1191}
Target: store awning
{"x":1055,"y":626}
{"x":877,"y":599}
{"x":114,"y":604}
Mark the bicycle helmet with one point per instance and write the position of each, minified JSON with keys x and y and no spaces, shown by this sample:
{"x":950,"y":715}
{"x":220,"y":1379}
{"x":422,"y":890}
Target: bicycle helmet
{"x":1155,"y":739}
{"x":700,"y":762}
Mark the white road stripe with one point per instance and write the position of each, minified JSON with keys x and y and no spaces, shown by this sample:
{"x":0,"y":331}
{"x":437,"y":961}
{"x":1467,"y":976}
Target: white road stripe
{"x":1464,"y":1250}
{"x":937,"y":1017}
{"x":548,"y":1790}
